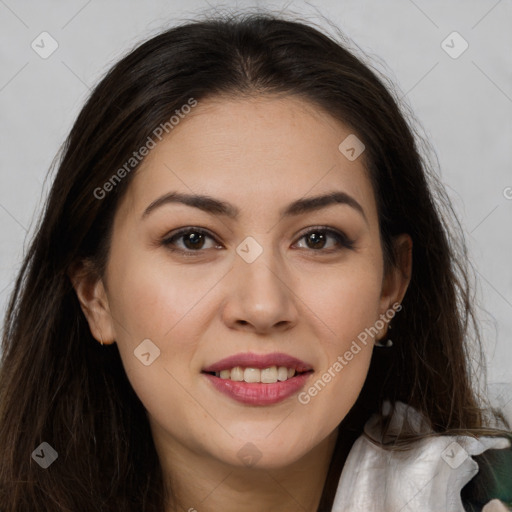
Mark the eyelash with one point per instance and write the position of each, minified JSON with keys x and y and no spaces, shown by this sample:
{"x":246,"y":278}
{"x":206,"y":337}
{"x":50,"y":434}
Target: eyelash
{"x":343,"y":241}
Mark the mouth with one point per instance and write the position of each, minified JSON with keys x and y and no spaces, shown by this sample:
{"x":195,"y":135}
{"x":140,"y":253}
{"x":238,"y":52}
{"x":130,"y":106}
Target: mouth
{"x":258,"y":379}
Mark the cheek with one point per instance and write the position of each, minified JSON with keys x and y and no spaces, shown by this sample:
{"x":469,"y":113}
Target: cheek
{"x":344,"y":300}
{"x":336,"y":386}
{"x":168,"y":305}
{"x":146,"y":299}
{"x":345,"y":307}
{"x":152,"y":297}
{"x":153,"y":305}
{"x":353,"y":316}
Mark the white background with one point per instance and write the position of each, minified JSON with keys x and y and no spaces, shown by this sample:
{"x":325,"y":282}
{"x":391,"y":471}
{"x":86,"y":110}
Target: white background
{"x":464,"y":106}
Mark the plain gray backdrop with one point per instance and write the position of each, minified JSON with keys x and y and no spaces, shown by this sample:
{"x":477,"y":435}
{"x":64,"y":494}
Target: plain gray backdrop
{"x":459,"y":85}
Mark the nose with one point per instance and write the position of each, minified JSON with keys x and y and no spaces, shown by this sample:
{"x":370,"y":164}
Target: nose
{"x":260,"y":296}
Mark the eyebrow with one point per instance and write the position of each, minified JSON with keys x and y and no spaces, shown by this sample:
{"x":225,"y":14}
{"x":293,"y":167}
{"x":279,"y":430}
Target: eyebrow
{"x":218,"y":207}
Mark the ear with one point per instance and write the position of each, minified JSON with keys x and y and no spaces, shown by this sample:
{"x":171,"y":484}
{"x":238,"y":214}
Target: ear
{"x":397,"y":278}
{"x":93,"y":300}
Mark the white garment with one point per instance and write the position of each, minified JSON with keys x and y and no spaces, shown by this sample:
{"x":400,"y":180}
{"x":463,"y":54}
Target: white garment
{"x":426,"y":478}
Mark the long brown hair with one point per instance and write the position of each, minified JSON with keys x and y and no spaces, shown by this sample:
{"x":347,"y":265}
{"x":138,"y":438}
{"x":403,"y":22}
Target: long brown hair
{"x":58,"y":385}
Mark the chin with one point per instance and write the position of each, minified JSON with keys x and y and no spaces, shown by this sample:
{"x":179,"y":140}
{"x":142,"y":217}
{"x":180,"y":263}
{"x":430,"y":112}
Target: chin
{"x":266,"y":454}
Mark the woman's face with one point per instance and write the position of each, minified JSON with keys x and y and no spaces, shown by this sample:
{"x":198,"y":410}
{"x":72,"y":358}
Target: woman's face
{"x":260,"y":269}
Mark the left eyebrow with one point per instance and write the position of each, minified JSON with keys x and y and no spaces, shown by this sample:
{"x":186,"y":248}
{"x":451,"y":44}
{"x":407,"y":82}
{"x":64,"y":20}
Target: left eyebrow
{"x":310,"y":204}
{"x":218,"y":207}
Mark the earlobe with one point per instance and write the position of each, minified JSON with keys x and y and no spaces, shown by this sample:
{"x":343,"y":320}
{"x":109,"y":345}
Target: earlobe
{"x":93,"y":300}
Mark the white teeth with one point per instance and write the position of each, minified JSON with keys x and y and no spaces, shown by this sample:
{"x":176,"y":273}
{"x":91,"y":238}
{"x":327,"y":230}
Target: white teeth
{"x":237,"y":374}
{"x":252,"y":375}
{"x":266,"y":376}
{"x":225,"y":374}
{"x":269,"y":375}
{"x":282,"y":373}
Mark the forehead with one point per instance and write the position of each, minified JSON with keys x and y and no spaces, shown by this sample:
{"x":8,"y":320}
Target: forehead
{"x":254,"y":152}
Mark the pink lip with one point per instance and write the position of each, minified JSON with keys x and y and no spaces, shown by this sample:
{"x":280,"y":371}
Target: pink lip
{"x":251,"y":360}
{"x":255,"y":393}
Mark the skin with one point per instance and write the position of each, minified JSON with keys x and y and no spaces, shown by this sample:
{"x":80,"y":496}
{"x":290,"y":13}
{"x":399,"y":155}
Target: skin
{"x":309,"y":301}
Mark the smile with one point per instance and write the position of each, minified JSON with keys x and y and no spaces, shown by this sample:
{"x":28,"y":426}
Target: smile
{"x":258,"y":379}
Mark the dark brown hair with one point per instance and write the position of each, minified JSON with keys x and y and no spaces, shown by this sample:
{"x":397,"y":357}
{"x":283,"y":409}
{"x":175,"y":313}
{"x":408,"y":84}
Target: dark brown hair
{"x":57,"y":384}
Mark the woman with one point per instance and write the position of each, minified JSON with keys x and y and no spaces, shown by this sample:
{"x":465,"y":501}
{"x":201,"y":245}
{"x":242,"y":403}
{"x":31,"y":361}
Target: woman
{"x":243,"y":295}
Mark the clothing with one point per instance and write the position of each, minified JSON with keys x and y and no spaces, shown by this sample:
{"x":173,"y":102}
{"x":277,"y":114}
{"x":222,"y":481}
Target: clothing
{"x":427,"y":478}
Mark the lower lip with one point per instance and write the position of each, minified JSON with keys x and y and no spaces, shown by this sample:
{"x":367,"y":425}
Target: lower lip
{"x":256,"y":393}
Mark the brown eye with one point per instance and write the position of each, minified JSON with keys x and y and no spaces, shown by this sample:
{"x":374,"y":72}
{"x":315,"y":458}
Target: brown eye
{"x":316,"y":239}
{"x":192,"y":240}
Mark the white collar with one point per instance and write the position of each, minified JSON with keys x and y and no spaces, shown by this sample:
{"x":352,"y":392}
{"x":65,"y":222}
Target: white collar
{"x":428,"y":477}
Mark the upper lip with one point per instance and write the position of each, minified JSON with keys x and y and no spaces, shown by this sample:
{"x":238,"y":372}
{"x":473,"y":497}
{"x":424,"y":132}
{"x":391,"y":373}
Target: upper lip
{"x":261,"y":361}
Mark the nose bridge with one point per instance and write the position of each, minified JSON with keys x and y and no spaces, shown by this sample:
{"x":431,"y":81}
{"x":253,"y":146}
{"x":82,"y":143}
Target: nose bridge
{"x":259,"y":265}
{"x":260,"y":295}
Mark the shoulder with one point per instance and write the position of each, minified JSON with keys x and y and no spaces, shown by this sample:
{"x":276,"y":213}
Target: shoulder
{"x":449,"y":473}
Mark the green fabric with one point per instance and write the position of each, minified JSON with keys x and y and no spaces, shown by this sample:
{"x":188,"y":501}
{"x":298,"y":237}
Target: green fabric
{"x":493,"y":480}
